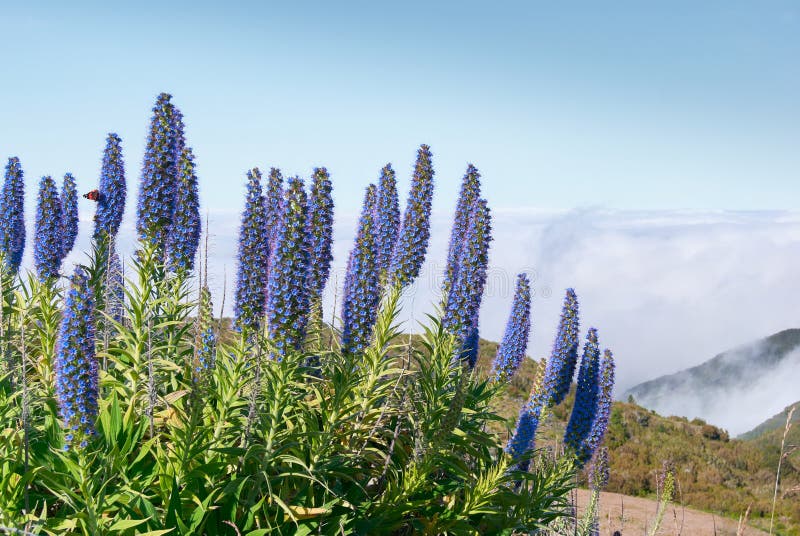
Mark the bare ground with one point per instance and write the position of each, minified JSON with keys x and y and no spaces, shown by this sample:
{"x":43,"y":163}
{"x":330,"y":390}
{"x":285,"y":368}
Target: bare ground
{"x":640,"y":513}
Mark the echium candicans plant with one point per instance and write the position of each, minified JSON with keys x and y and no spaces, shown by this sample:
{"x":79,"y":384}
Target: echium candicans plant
{"x":586,"y":394}
{"x":156,"y":204}
{"x":361,"y":284}
{"x":69,"y":214}
{"x":387,"y":217}
{"x":48,"y":233}
{"x":463,"y":303}
{"x":412,"y":241}
{"x":184,"y":235}
{"x":12,"y":215}
{"x":564,"y":357}
{"x":288,"y":292}
{"x":605,"y":398}
{"x":251,"y":280}
{"x":470,"y":192}
{"x":76,"y":374}
{"x":112,"y":190}
{"x":320,"y":232}
{"x":515,"y":339}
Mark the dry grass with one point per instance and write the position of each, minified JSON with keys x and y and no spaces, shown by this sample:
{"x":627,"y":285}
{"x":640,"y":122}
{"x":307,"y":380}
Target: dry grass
{"x":633,"y":516}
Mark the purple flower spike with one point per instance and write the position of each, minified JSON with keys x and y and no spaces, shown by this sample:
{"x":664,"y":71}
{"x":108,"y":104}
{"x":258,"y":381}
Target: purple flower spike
{"x":76,"y":375}
{"x":470,"y":192}
{"x":563,"y":360}
{"x":585,"y":408}
{"x":48,"y":234}
{"x":111,"y":201}
{"x":251,"y":280}
{"x":288,"y":292}
{"x":515,"y":340}
{"x":361,"y":284}
{"x":184,"y":236}
{"x":69,"y":214}
{"x":320,"y":232}
{"x":412,"y":243}
{"x":160,"y":171}
{"x":464,"y":300}
{"x":387,"y":217}
{"x":12,"y":215}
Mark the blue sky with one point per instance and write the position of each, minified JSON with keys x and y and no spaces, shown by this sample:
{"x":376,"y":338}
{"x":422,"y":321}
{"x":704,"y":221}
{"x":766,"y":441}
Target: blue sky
{"x":633,"y":106}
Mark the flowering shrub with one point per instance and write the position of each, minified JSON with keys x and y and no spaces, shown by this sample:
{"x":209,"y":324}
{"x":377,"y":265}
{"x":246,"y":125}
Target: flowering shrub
{"x":127,"y":407}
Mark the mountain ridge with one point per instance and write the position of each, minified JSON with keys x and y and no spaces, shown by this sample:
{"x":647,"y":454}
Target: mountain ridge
{"x":736,"y":389}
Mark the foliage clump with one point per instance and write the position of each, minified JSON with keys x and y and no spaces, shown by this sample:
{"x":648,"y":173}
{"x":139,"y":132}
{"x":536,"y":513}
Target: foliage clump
{"x":127,"y":407}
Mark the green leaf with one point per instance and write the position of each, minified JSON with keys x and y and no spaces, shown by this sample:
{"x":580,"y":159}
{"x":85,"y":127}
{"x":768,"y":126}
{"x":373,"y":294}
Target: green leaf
{"x":123,"y":524}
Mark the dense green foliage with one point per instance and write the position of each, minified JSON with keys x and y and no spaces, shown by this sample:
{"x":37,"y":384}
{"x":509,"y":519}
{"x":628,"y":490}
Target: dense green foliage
{"x":369,"y":443}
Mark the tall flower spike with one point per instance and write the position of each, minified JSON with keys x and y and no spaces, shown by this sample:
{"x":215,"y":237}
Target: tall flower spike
{"x":206,"y":351}
{"x":48,"y":238}
{"x":515,"y":340}
{"x":463,"y":305}
{"x":111,"y":202}
{"x":563,"y":360}
{"x":184,"y":236}
{"x":160,"y":172}
{"x":12,"y":215}
{"x":525,"y":434}
{"x":69,"y":214}
{"x":470,"y":192}
{"x":288,"y":293}
{"x":76,"y":375}
{"x":605,"y":398}
{"x":361,"y":286}
{"x":412,"y":242}
{"x":251,"y":281}
{"x":585,"y":408}
{"x":273,"y":203}
{"x":320,"y":232}
{"x":387,"y":217}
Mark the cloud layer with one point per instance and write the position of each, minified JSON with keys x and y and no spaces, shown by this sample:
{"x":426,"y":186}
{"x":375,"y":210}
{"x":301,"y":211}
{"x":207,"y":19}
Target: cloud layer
{"x":666,"y":289}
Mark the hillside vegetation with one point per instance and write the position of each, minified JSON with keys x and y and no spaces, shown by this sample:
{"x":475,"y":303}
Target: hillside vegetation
{"x":777,"y":423}
{"x":715,"y":473}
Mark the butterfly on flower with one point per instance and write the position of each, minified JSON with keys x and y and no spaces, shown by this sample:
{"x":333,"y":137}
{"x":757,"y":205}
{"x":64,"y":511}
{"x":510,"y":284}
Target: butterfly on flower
{"x":94,"y":195}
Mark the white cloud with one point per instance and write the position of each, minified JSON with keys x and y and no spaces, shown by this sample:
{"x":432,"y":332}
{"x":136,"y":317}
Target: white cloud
{"x":666,"y":290}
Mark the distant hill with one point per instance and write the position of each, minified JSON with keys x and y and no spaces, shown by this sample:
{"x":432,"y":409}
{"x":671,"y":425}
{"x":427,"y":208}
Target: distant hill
{"x":737,"y":389}
{"x":776,"y":422}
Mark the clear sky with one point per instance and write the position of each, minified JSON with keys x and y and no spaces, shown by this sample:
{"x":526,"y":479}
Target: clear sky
{"x":632,"y":105}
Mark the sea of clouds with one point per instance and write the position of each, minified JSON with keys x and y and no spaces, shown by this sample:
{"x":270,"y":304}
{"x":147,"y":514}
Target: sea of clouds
{"x":666,"y":289}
